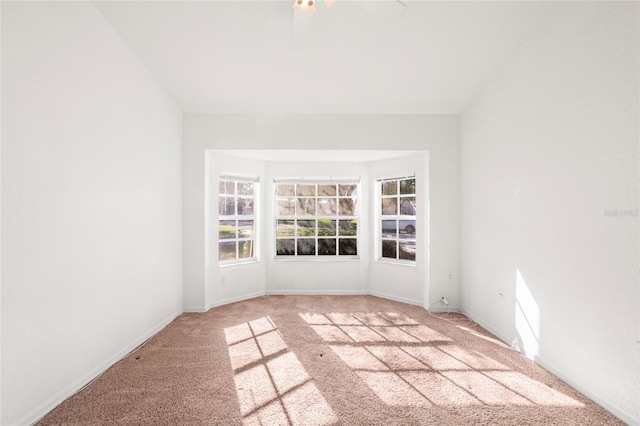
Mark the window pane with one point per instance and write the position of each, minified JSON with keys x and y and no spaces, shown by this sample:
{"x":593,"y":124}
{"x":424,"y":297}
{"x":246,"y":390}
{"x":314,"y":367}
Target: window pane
{"x":236,"y":229}
{"x":245,"y":188}
{"x":408,"y":186}
{"x":226,"y":187}
{"x":407,"y":229}
{"x":314,"y":211}
{"x":306,"y":247}
{"x":326,"y":190}
{"x":348,"y":246}
{"x":285,"y":189}
{"x":306,"y":190}
{"x":227,"y":250}
{"x":390,"y":187}
{"x":286,"y":207}
{"x":326,"y":227}
{"x":327,"y":246}
{"x":389,"y":249}
{"x":226,"y":229}
{"x":347,"y":190}
{"x":326,"y":207}
{"x":285,"y":228}
{"x":347,"y":207}
{"x":348,"y":227}
{"x":245,"y":249}
{"x":306,"y":206}
{"x":226,"y":206}
{"x":408,"y":206}
{"x":245,"y":228}
{"x":286,"y":247}
{"x":389,"y":206}
{"x":306,"y":228}
{"x":389,"y":229}
{"x":408,"y":250}
{"x":245,"y":206}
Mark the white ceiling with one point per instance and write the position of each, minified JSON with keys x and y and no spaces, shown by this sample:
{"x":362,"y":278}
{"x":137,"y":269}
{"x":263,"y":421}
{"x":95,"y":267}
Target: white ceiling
{"x":236,"y":56}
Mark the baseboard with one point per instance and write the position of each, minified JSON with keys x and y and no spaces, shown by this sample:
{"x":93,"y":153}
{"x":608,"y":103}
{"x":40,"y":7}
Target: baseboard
{"x":234,"y":299}
{"x":43,"y":409}
{"x":445,"y":309}
{"x":194,"y":309}
{"x":317,"y":292}
{"x":550,"y":367}
{"x":396,"y":298}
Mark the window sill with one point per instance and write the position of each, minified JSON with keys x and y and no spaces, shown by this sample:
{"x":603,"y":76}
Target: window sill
{"x":316,"y":259}
{"x":244,"y":262}
{"x":409,"y":263}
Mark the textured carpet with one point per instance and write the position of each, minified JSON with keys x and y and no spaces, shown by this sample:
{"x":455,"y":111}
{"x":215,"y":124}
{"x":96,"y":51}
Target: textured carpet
{"x":326,"y":360}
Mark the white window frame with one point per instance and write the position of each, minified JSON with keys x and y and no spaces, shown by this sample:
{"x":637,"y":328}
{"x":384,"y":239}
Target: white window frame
{"x":402,"y":227}
{"x":338,"y":237}
{"x":239,"y":239}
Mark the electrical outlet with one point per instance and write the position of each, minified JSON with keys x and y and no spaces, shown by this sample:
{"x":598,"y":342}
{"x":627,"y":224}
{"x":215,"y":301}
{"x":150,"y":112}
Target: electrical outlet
{"x":444,"y":300}
{"x":501,"y":293}
{"x":221,"y":279}
{"x":450,"y":275}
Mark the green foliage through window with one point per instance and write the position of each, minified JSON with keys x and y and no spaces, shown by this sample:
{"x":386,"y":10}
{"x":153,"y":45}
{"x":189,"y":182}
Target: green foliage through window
{"x":316,"y":218}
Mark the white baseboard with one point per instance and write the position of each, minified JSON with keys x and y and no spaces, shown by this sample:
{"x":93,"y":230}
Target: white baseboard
{"x":396,"y":298}
{"x":235,"y":299}
{"x":43,"y":409}
{"x":194,"y":309}
{"x":317,"y":292}
{"x":444,"y":309}
{"x":550,"y":367}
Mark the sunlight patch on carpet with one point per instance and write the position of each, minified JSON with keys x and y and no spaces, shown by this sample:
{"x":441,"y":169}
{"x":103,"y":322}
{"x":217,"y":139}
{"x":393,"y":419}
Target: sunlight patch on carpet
{"x":405,"y":363}
{"x":271,"y":384}
{"x":537,"y":392}
{"x":392,"y":389}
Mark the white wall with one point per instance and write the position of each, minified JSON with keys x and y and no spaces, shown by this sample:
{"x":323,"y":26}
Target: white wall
{"x":240,"y":281}
{"x":299,"y":276}
{"x":437,"y":134}
{"x":409,"y":284}
{"x":548,"y":151}
{"x":91,"y":207}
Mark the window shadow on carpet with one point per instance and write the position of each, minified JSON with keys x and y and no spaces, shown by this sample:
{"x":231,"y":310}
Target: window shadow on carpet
{"x":405,"y":363}
{"x":272,"y":385}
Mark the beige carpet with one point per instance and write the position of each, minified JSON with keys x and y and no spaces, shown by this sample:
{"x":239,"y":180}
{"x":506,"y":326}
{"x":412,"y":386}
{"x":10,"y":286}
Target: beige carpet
{"x":326,"y":360}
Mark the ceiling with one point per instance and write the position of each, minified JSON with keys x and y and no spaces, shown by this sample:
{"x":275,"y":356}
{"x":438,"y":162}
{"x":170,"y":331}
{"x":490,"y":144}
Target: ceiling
{"x":236,"y":56}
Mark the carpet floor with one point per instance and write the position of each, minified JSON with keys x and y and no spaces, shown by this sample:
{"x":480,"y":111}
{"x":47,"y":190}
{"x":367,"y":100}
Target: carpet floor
{"x":326,"y":360}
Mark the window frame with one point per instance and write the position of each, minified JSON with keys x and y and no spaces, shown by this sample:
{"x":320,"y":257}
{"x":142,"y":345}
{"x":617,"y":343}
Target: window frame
{"x":380,"y":218}
{"x":238,"y":239}
{"x":333,"y":220}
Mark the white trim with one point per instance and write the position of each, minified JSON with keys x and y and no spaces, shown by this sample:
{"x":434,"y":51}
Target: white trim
{"x":396,"y":176}
{"x":396,"y":262}
{"x":239,"y":177}
{"x":43,"y":409}
{"x":317,"y":293}
{"x":227,"y":263}
{"x":235,"y":299}
{"x":443,"y":309}
{"x":396,"y":298}
{"x":550,"y":367}
{"x":316,"y":258}
{"x":194,"y":309}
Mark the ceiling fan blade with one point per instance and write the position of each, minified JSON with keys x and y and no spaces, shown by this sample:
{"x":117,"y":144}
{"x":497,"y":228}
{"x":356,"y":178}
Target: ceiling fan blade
{"x":391,"y":10}
{"x":301,"y":30}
